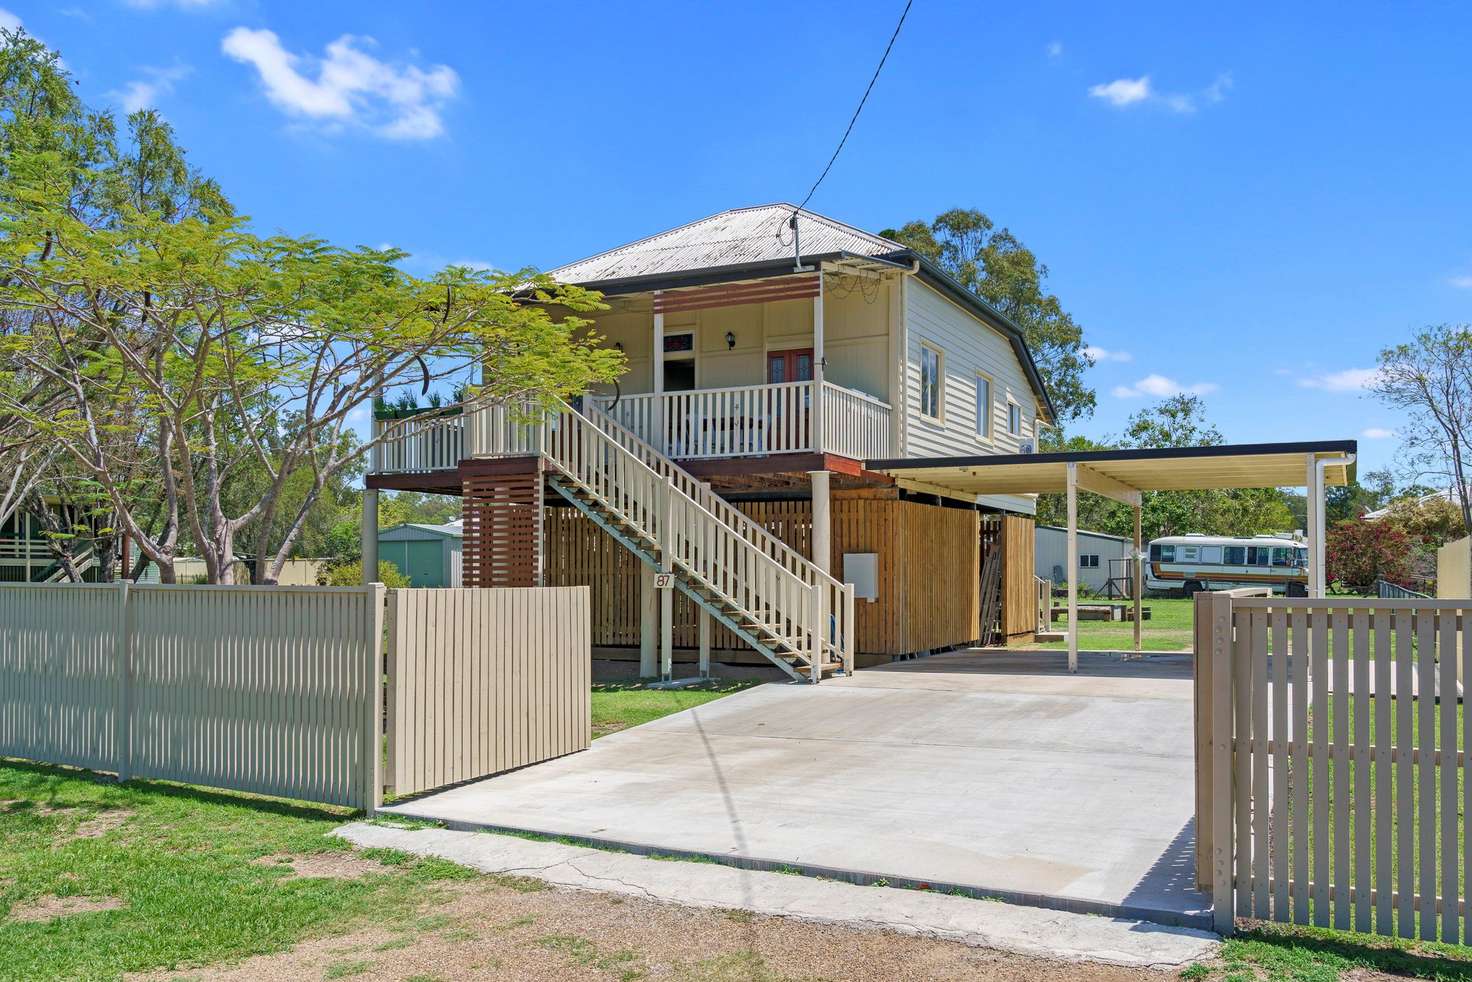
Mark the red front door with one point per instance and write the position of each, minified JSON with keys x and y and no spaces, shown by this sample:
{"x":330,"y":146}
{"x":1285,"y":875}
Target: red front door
{"x":790,"y":366}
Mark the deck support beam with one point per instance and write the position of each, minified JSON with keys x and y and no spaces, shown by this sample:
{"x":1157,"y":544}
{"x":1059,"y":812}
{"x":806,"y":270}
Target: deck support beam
{"x":1107,"y":487}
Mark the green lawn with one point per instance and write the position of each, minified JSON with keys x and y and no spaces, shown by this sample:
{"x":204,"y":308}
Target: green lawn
{"x":620,"y":705}
{"x":1168,"y":629}
{"x":181,"y":868}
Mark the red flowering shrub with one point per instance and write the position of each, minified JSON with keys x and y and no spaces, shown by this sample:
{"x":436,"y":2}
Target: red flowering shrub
{"x":1357,"y":553}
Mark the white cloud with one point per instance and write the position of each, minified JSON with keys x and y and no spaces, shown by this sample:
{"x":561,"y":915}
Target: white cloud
{"x":1461,"y":282}
{"x":9,"y":21}
{"x":1123,"y":91}
{"x":181,"y":4}
{"x":1055,"y":49}
{"x":145,"y":93}
{"x":1097,"y":354}
{"x":1349,"y":380}
{"x":1161,"y":387}
{"x":397,"y":101}
{"x":1377,"y":433}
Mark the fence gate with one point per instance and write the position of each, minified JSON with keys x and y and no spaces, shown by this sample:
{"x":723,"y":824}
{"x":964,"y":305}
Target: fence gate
{"x":485,"y":680}
{"x":1330,"y":749}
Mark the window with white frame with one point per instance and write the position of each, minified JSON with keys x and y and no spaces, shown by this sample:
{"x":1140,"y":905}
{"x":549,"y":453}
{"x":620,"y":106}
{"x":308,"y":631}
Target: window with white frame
{"x":932,"y":372}
{"x":983,"y":406}
{"x":1088,"y":561}
{"x":1014,"y":419}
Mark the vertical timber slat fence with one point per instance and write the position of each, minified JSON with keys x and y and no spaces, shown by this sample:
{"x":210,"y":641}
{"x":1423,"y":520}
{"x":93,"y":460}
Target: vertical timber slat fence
{"x":1331,"y":751}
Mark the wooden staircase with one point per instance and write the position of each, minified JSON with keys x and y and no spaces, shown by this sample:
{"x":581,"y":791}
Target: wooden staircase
{"x":774,"y":599}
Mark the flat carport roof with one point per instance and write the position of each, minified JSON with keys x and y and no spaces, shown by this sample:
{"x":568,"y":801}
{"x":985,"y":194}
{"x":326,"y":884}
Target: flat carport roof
{"x":1123,"y":475}
{"x":1246,"y":465}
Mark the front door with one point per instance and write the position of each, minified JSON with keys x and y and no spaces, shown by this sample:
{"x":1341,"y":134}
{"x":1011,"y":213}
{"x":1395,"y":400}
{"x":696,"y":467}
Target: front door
{"x":790,"y":366}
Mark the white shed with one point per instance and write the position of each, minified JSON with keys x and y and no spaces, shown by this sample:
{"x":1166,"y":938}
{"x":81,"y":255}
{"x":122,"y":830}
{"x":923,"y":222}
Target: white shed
{"x":1095,"y":549}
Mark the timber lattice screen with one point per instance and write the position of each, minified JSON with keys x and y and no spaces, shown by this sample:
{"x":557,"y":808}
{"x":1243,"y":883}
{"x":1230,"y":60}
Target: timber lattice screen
{"x":1331,"y":756}
{"x":502,"y":544}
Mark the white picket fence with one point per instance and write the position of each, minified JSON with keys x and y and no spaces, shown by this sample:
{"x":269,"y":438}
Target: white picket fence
{"x":1331,"y":758}
{"x":280,"y":690}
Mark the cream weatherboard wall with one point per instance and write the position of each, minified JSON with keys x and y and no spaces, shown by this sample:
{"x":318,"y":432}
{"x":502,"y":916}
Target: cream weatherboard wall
{"x":969,"y":350}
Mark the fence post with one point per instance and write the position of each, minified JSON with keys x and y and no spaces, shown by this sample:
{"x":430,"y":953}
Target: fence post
{"x":1222,"y":886}
{"x":373,"y":701}
{"x":1201,"y":704}
{"x":122,"y":734}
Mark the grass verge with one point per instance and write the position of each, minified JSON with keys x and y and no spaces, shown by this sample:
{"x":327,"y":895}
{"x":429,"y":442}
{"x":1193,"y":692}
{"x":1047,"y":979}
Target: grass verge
{"x":620,"y":705}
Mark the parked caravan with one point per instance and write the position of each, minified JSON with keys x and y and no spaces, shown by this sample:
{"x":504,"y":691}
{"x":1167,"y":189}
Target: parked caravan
{"x":1191,"y":563}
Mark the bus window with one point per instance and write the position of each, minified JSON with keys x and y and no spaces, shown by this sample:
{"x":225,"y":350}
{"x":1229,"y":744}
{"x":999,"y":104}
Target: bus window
{"x":1282,"y":557}
{"x":1188,"y":554}
{"x":1211,"y":555}
{"x":1258,"y":555}
{"x":1162,"y":554}
{"x":1300,"y":558}
{"x":1235,"y":555}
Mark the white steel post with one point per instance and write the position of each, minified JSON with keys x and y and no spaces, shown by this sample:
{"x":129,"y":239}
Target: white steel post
{"x":1137,"y":573}
{"x":819,"y":434}
{"x":1072,"y":496}
{"x":1315,"y":520}
{"x":704,"y":626}
{"x":667,"y":594}
{"x":822,"y":521}
{"x":815,"y":607}
{"x":657,"y":361}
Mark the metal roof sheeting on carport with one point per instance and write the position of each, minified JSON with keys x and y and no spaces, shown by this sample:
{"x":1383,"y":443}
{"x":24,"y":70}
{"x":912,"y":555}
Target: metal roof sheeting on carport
{"x":1249,"y":465}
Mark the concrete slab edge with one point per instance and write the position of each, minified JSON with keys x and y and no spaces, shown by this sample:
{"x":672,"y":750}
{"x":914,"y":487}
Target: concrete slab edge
{"x":1035,"y":932}
{"x":1196,"y":920}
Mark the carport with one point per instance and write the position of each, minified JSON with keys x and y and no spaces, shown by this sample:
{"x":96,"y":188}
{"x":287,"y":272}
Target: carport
{"x":1122,"y":475}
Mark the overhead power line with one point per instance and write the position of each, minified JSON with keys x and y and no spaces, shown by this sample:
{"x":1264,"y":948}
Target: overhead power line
{"x":860,"y":108}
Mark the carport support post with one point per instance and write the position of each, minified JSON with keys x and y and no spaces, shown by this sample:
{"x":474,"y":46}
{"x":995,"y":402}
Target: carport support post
{"x":1137,"y":570}
{"x":1315,"y":500}
{"x":1072,"y":496}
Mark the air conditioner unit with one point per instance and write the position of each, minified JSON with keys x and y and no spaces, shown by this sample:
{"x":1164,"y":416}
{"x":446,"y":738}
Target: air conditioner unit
{"x":1025,"y":446}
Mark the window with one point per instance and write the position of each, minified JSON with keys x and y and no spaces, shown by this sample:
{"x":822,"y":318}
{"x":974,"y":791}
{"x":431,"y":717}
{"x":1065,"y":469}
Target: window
{"x":931,"y":365}
{"x":1190,"y":554}
{"x":1235,"y":555}
{"x":1211,"y":554}
{"x":1258,"y":555}
{"x":1090,"y":561}
{"x":1282,"y":557}
{"x":983,"y":406}
{"x":1300,"y":558}
{"x":1162,"y":554}
{"x":1014,"y":419}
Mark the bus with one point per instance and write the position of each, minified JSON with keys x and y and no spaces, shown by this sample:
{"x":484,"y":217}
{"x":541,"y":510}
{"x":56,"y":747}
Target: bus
{"x":1191,"y":563}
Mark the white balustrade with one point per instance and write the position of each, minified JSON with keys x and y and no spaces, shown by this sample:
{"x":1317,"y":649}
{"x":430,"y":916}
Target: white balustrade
{"x":418,"y":444}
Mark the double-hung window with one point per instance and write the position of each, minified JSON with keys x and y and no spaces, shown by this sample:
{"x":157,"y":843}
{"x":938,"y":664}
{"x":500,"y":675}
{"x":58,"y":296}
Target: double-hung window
{"x":983,"y":406}
{"x":932,"y":367}
{"x":1014,"y":419}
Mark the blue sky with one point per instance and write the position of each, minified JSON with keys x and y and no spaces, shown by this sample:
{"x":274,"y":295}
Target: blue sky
{"x":1244,"y":202}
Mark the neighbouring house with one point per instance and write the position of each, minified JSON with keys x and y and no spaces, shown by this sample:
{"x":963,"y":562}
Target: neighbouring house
{"x":823,"y":439}
{"x":1095,"y":552}
{"x":27,"y":553}
{"x":427,"y":555}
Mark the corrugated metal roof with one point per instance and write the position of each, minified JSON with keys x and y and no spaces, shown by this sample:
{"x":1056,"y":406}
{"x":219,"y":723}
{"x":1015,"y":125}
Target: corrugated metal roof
{"x":731,"y":238}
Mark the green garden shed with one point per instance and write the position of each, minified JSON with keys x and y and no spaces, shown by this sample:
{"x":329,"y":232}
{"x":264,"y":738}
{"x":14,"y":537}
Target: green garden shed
{"x":429,"y":555}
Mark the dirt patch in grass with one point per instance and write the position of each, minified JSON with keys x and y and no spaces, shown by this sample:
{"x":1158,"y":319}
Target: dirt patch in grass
{"x":326,"y":865}
{"x":482,"y":929}
{"x":50,"y":907}
{"x":102,"y":823}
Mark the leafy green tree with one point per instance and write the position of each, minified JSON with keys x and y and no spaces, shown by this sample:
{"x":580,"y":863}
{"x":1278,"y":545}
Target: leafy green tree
{"x":1429,"y":378}
{"x":995,"y":265}
{"x":164,"y":332}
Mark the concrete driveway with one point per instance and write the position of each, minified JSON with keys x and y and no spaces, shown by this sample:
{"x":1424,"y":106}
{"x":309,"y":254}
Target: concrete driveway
{"x":996,"y":773}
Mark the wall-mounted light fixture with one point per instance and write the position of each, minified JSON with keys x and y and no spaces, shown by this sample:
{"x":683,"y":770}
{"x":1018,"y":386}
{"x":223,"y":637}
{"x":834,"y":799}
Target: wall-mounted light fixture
{"x":730,"y":340}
